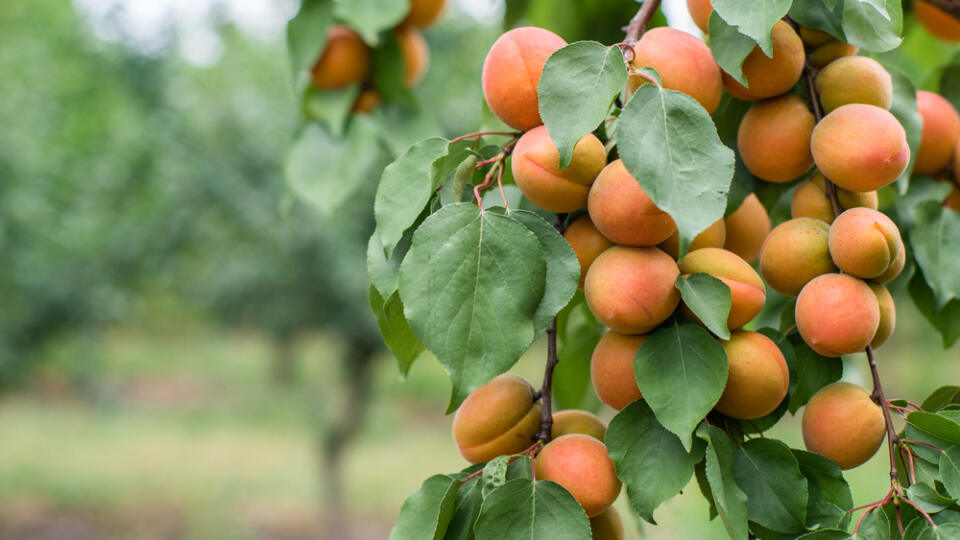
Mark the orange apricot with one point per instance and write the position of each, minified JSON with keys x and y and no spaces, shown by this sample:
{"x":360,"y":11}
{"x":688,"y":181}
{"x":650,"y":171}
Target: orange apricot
{"x":416,"y":54}
{"x":684,"y":63}
{"x":854,"y":79}
{"x":536,"y":169}
{"x":496,"y":419}
{"x":837,"y":314}
{"x":623,"y":211}
{"x":747,"y":227}
{"x":795,"y":252}
{"x":770,"y":76}
{"x":700,"y":11}
{"x":611,"y":369}
{"x":423,"y":13}
{"x":747,"y":291}
{"x":864,"y":242}
{"x":581,"y":464}
{"x":577,"y":421}
{"x":587,"y":242}
{"x":842,"y":423}
{"x":713,"y":236}
{"x":888,"y":314}
{"x":830,"y":51}
{"x":941,"y":131}
{"x":345,"y":60}
{"x":774,"y":138}
{"x":368,"y":100}
{"x":936,"y":21}
{"x":607,"y":525}
{"x":810,"y":199}
{"x":757,"y":376}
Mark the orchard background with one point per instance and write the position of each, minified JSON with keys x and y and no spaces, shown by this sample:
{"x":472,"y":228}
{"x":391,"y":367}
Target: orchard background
{"x":186,"y":344}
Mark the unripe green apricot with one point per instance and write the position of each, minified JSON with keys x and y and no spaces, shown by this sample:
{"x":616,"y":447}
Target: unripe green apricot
{"x":854,"y":79}
{"x":837,"y":314}
{"x":581,"y":464}
{"x":747,"y":291}
{"x":864,"y":242}
{"x":757,"y":379}
{"x":536,"y":169}
{"x":611,"y":369}
{"x":842,"y":423}
{"x":498,"y":418}
{"x":577,"y":421}
{"x":810,"y":200}
{"x":795,"y":252}
{"x":774,"y":138}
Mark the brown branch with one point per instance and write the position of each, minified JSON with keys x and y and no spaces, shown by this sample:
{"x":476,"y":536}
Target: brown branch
{"x":809,"y":73}
{"x":950,"y":7}
{"x":638,"y":24}
{"x":892,"y":438}
{"x":546,"y":392}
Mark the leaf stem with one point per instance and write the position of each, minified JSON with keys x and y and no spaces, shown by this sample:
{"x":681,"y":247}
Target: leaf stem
{"x":546,"y":407}
{"x":478,"y":134}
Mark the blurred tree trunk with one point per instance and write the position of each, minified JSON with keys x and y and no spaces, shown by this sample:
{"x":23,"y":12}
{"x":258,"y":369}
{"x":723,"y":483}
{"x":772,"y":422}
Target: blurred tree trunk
{"x":283,"y":367}
{"x":351,"y":414}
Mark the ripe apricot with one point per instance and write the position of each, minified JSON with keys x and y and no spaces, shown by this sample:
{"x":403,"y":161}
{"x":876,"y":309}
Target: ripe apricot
{"x":747,"y":228}
{"x":864,"y":242}
{"x":496,"y":419}
{"x":416,"y":54}
{"x":830,"y":51}
{"x":345,"y":60}
{"x":812,"y":37}
{"x":700,"y":11}
{"x":953,"y":199}
{"x":757,"y":376}
{"x":536,"y":169}
{"x":684,"y":63}
{"x":582,"y":465}
{"x":368,"y":100}
{"x":810,"y":199}
{"x":607,"y":525}
{"x":936,"y":21}
{"x":623,"y":211}
{"x":860,"y":147}
{"x":423,"y":13}
{"x":587,"y":242}
{"x":747,"y":291}
{"x":577,"y":421}
{"x":842,"y":423}
{"x":631,"y":290}
{"x":770,"y":76}
{"x":888,"y":314}
{"x":941,"y":131}
{"x":837,"y":314}
{"x":511,"y":73}
{"x":795,"y":252}
{"x":713,"y":236}
{"x":894,"y":270}
{"x":854,"y":79}
{"x":774,"y":138}
{"x":611,"y":369}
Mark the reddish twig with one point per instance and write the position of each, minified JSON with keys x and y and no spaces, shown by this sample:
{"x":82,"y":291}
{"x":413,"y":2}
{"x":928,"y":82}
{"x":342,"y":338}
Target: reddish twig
{"x":928,"y":445}
{"x":640,"y":21}
{"x":483,"y":185}
{"x":503,"y":195}
{"x":921,"y":510}
{"x":479,"y":134}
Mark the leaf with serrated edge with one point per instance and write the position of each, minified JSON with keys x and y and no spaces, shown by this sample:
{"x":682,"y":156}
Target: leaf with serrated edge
{"x":776,"y":491}
{"x":426,"y":513}
{"x":729,"y":47}
{"x":709,"y":299}
{"x":730,"y":500}
{"x":523,"y":509}
{"x":754,"y":19}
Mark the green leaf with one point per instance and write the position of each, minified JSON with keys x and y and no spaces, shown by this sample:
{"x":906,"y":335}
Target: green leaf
{"x":904,"y":108}
{"x":494,"y":474}
{"x":669,"y":144}
{"x":937,"y":425}
{"x":875,"y":526}
{"x":950,"y":82}
{"x":585,"y":77}
{"x":941,"y":397}
{"x":920,"y":529}
{"x":870,"y":28}
{"x":813,"y":372}
{"x":370,"y":17}
{"x":405,"y":189}
{"x":651,"y":461}
{"x":426,"y":513}
{"x":526,"y":510}
{"x":730,"y":48}
{"x":823,"y":15}
{"x":395,"y":330}
{"x":709,"y":299}
{"x":935,"y":238}
{"x":826,"y":534}
{"x":325,"y":170}
{"x":946,"y":319}
{"x":727,"y":117}
{"x":825,"y":480}
{"x":824,"y":515}
{"x":577,"y":334}
{"x":471,"y":284}
{"x":384,"y":273}
{"x":754,"y":19}
{"x":306,"y":38}
{"x":389,"y":71}
{"x":466,"y":508}
{"x":950,"y":470}
{"x":767,"y":471}
{"x":330,"y":107}
{"x":730,"y":500}
{"x":681,"y":371}
{"x":928,"y":498}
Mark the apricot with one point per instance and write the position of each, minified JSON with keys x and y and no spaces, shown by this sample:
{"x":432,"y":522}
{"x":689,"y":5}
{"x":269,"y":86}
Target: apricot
{"x":747,"y":291}
{"x":423,"y":13}
{"x":577,"y":421}
{"x":843,"y":423}
{"x":812,"y":37}
{"x":496,"y":419}
{"x":894,"y":270}
{"x":583,"y":467}
{"x":864,"y":242}
{"x":623,"y":211}
{"x":713,"y":236}
{"x":810,"y":199}
{"x":795,"y":252}
{"x":774,"y":138}
{"x":536,"y":169}
{"x":684,"y":63}
{"x":757,"y":376}
{"x":888,"y":314}
{"x":607,"y":525}
{"x":837,"y":314}
{"x":936,"y":21}
{"x":416,"y":54}
{"x":747,"y":227}
{"x":770,"y":76}
{"x":631,"y":290}
{"x":854,"y":79}
{"x":941,"y":130}
{"x":345,"y":60}
{"x":587,"y":242}
{"x":830,"y":51}
{"x":700,"y":11}
{"x":368,"y":100}
{"x":611,"y":369}
{"x":511,"y":72}
{"x":953,"y":199}
{"x":860,"y":147}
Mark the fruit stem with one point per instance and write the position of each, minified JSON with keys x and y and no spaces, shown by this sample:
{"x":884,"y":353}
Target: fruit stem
{"x":638,"y":24}
{"x":546,"y":407}
{"x":950,"y":7}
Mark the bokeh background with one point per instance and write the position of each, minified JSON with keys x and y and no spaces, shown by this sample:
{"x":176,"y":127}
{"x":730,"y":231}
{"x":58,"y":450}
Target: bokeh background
{"x":186,"y":349}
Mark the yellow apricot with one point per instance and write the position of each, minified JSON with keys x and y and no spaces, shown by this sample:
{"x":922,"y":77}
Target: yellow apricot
{"x":423,"y":13}
{"x":757,"y":378}
{"x":795,"y":252}
{"x":577,"y":421}
{"x":498,"y":418}
{"x":774,"y":138}
{"x":611,"y":369}
{"x":747,"y":291}
{"x":810,"y":199}
{"x":747,"y":228}
{"x":536,"y":169}
{"x":888,"y":314}
{"x":581,"y":464}
{"x":587,"y":242}
{"x":623,"y":211}
{"x":607,"y":525}
{"x":864,"y":242}
{"x":713,"y":236}
{"x":770,"y":76}
{"x":854,"y":79}
{"x":345,"y":60}
{"x":842,"y":423}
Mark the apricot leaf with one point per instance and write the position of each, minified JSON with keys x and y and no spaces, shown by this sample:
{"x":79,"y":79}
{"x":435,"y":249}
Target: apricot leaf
{"x":904,"y":108}
{"x":935,"y":238}
{"x":776,"y":491}
{"x":950,"y":470}
{"x":813,"y":372}
{"x":754,"y":19}
{"x":825,"y":481}
{"x":873,"y":25}
{"x":729,"y":47}
{"x":730,"y":500}
{"x":524,"y":509}
{"x":875,"y":526}
{"x":426,"y":513}
{"x":306,"y":37}
{"x":395,"y":329}
{"x":370,"y":17}
{"x":709,"y":299}
{"x":946,"y":319}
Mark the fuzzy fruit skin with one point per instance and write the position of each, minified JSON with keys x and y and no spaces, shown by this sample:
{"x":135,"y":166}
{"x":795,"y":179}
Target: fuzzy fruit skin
{"x":423,"y":13}
{"x":828,"y":52}
{"x":611,"y":369}
{"x":713,"y":236}
{"x":888,"y":314}
{"x":770,"y":76}
{"x":854,"y":79}
{"x":416,"y":54}
{"x":536,"y":169}
{"x":684,"y":63}
{"x":623,"y":211}
{"x":747,"y":291}
{"x":607,"y":525}
{"x":577,"y":421}
{"x":582,"y":465}
{"x":795,"y":252}
{"x":757,"y":378}
{"x":941,"y":131}
{"x":936,"y":21}
{"x":842,"y":423}
{"x":810,"y":200}
{"x":747,"y":228}
{"x":631,"y":290}
{"x":837,"y":314}
{"x":497,"y":418}
{"x":860,"y":147}
{"x":864,"y":242}
{"x":587,"y":242}
{"x":700,"y":11}
{"x":345,"y":60}
{"x":511,"y":72}
{"x":783,"y":124}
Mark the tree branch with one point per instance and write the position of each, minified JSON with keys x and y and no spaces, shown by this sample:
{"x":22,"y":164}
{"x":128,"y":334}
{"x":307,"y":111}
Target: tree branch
{"x":950,"y":7}
{"x":638,"y":24}
{"x":809,"y":73}
{"x":546,"y":390}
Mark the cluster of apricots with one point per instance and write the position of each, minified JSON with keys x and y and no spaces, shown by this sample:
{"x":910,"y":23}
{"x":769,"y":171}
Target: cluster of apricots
{"x":346,"y":59}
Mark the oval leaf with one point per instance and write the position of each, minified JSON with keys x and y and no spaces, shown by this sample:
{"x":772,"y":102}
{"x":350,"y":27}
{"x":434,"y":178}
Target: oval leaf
{"x":776,"y":491}
{"x":754,"y":19}
{"x":426,"y":513}
{"x":523,"y":509}
{"x":709,"y":299}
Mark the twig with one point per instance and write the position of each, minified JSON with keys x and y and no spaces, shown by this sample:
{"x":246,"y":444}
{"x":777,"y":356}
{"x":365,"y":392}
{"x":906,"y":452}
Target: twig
{"x":546,"y":407}
{"x":928,"y":445}
{"x":479,"y":134}
{"x":638,"y":25}
{"x":809,"y":73}
{"x":892,"y":438}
